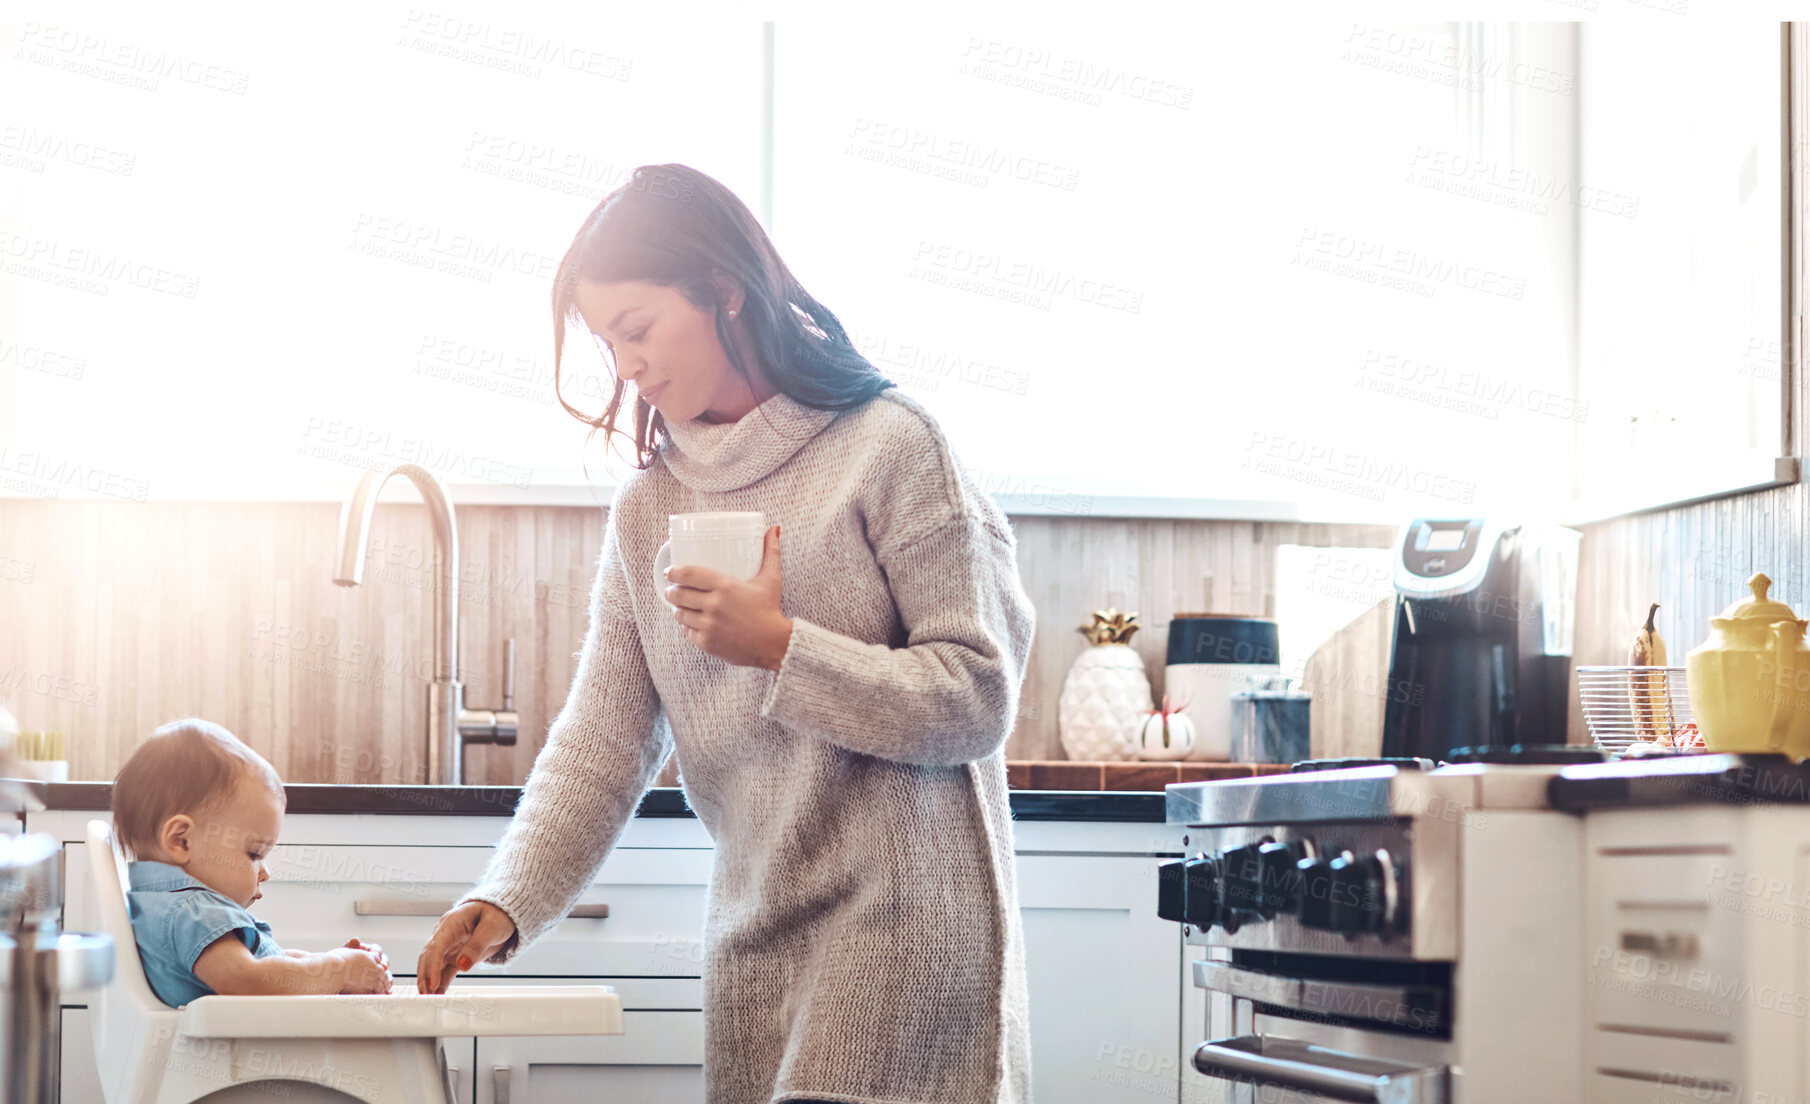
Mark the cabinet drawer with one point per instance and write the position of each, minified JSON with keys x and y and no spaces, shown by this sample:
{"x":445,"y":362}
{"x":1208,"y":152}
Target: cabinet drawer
{"x":658,"y":1058}
{"x":639,"y":994}
{"x":1659,"y":953}
{"x":319,"y":896}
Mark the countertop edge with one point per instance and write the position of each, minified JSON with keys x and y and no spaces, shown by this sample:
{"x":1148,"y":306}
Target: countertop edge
{"x":1110,"y":806}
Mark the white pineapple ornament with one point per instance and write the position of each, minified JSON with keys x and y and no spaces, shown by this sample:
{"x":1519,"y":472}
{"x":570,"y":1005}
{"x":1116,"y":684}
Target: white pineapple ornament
{"x":1106,"y":694}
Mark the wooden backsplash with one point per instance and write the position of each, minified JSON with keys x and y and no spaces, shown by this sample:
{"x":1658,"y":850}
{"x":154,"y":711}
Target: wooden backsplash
{"x":136,"y":613}
{"x":115,"y":617}
{"x":1155,"y":568}
{"x":1693,"y":561}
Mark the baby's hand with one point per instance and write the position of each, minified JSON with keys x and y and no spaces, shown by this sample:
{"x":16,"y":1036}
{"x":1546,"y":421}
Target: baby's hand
{"x":382,"y":959}
{"x":363,"y":972}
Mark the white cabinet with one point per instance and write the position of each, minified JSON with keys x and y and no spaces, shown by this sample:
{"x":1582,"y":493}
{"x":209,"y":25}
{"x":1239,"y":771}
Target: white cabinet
{"x":1104,"y":972}
{"x":461,"y":1066}
{"x":318,"y":895}
{"x":80,"y":1083}
{"x":387,"y":880}
{"x":659,"y":1059}
{"x":1103,"y":978}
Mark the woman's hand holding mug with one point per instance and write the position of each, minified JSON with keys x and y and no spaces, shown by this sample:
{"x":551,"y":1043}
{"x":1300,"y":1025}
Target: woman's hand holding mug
{"x":727,"y":605}
{"x":468,"y":934}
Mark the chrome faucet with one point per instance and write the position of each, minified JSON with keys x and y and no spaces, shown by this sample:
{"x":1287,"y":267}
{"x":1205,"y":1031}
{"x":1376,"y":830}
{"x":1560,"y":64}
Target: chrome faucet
{"x":450,"y":726}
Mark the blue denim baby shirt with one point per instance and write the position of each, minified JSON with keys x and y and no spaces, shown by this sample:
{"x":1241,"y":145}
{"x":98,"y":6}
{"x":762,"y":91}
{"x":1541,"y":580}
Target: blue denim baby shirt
{"x":174,"y":918}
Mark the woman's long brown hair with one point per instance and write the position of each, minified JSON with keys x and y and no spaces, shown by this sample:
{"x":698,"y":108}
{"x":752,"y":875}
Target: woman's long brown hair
{"x":674,"y":226}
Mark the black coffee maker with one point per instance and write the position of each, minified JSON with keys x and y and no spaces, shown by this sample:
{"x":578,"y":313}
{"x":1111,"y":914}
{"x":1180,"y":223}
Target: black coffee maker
{"x":1483,"y":624}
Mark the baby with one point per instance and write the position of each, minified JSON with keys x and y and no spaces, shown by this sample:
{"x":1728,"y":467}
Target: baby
{"x":198,"y":812}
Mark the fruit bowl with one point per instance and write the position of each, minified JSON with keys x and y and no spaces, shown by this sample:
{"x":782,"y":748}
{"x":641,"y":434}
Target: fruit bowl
{"x":1609,"y":696}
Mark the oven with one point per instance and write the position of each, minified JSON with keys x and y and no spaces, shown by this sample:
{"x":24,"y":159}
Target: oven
{"x":1379,"y":933}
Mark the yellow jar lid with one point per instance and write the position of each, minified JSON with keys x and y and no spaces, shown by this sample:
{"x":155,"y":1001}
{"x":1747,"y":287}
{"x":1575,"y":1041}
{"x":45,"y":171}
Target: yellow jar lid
{"x":1758,"y":607}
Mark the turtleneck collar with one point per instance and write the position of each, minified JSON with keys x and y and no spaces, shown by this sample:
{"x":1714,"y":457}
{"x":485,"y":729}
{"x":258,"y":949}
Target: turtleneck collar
{"x":727,"y":456}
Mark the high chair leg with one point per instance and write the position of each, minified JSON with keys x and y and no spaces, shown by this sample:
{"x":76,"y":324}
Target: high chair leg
{"x":447,"y":1086}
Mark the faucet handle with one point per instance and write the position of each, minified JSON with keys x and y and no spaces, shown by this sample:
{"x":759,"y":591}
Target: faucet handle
{"x":494,"y":726}
{"x":506,"y":720}
{"x":509,"y":674}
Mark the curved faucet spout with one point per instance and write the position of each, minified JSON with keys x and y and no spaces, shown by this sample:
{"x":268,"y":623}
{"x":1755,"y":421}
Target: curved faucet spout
{"x":450,"y":726}
{"x":355,"y":534}
{"x":446,"y":697}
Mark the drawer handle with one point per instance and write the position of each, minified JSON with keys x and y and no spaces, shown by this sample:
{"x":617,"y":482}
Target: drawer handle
{"x":500,"y":1084}
{"x":414,"y":906}
{"x":1274,"y":1061}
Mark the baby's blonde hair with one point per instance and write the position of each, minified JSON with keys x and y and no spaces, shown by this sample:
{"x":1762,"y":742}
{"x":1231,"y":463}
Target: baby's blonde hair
{"x":187,"y":766}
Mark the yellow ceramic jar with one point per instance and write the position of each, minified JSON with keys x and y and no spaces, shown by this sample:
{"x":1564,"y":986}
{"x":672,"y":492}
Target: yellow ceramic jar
{"x":1750,"y":680}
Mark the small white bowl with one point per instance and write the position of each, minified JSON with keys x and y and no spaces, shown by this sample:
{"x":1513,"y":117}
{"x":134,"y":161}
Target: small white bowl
{"x":44,"y":770}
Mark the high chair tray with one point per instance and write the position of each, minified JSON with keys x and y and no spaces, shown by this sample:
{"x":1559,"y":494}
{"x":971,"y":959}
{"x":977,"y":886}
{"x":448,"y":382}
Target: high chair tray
{"x":405,"y":1013}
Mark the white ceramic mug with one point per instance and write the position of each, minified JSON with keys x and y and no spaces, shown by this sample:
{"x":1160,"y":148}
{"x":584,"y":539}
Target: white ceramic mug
{"x":732,"y":542}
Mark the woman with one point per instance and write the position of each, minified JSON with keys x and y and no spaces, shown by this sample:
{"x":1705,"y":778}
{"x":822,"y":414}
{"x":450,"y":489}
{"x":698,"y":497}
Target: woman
{"x":838,"y":723}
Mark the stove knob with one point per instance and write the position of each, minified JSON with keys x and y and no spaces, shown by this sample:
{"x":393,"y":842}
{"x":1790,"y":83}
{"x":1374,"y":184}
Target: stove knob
{"x":1347,"y":894}
{"x":1169,"y":890}
{"x":1242,"y":873}
{"x":1262,"y":879}
{"x":1201,"y":906}
{"x":1279,"y":876}
{"x":1314,"y":908}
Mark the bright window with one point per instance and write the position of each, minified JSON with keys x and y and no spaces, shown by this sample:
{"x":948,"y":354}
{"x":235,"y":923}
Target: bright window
{"x":1227,"y":260}
{"x":1679,"y":258}
{"x":1360,"y":268}
{"x":299,"y":254}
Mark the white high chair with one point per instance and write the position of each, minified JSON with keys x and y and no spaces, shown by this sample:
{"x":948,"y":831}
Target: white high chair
{"x":380,"y":1049}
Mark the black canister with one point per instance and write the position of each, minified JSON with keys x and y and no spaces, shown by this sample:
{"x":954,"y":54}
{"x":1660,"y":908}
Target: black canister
{"x":1212,"y":638}
{"x":1210,"y":657}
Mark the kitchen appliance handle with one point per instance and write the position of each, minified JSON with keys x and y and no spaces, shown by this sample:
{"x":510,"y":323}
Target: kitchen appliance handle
{"x":1272,"y":1060}
{"x":414,"y":906}
{"x":1316,"y":996}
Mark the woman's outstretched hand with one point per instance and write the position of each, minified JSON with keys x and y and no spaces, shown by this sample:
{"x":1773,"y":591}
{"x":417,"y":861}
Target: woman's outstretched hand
{"x":470,"y":933}
{"x":736,"y":620}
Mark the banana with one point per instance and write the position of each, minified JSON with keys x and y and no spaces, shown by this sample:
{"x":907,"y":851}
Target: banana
{"x":1646,"y":690}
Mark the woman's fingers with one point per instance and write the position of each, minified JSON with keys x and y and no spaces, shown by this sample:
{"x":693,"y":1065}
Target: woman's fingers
{"x":687,"y":586}
{"x":472,"y":933}
{"x":686,"y":597}
{"x":465,"y":936}
{"x":489,"y":933}
{"x":438,"y":953}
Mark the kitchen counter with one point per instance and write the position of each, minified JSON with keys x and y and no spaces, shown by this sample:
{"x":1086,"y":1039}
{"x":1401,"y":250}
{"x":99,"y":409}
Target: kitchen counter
{"x":1148,"y":777}
{"x":663,"y":801}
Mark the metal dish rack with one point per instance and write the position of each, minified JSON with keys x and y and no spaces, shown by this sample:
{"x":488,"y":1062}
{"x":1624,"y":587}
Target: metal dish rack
{"x":1608,"y":695}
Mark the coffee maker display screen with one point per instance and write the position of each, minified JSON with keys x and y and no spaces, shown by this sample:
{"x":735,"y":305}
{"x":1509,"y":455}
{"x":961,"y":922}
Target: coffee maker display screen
{"x":1438,"y":549}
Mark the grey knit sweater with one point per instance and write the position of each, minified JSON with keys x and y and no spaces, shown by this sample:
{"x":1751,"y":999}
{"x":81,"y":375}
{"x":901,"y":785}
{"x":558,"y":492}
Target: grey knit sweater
{"x":862,"y":939}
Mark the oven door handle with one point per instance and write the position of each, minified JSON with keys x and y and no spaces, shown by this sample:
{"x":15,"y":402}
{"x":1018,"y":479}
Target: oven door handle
{"x":1290,"y":1064}
{"x":1401,"y":1005}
